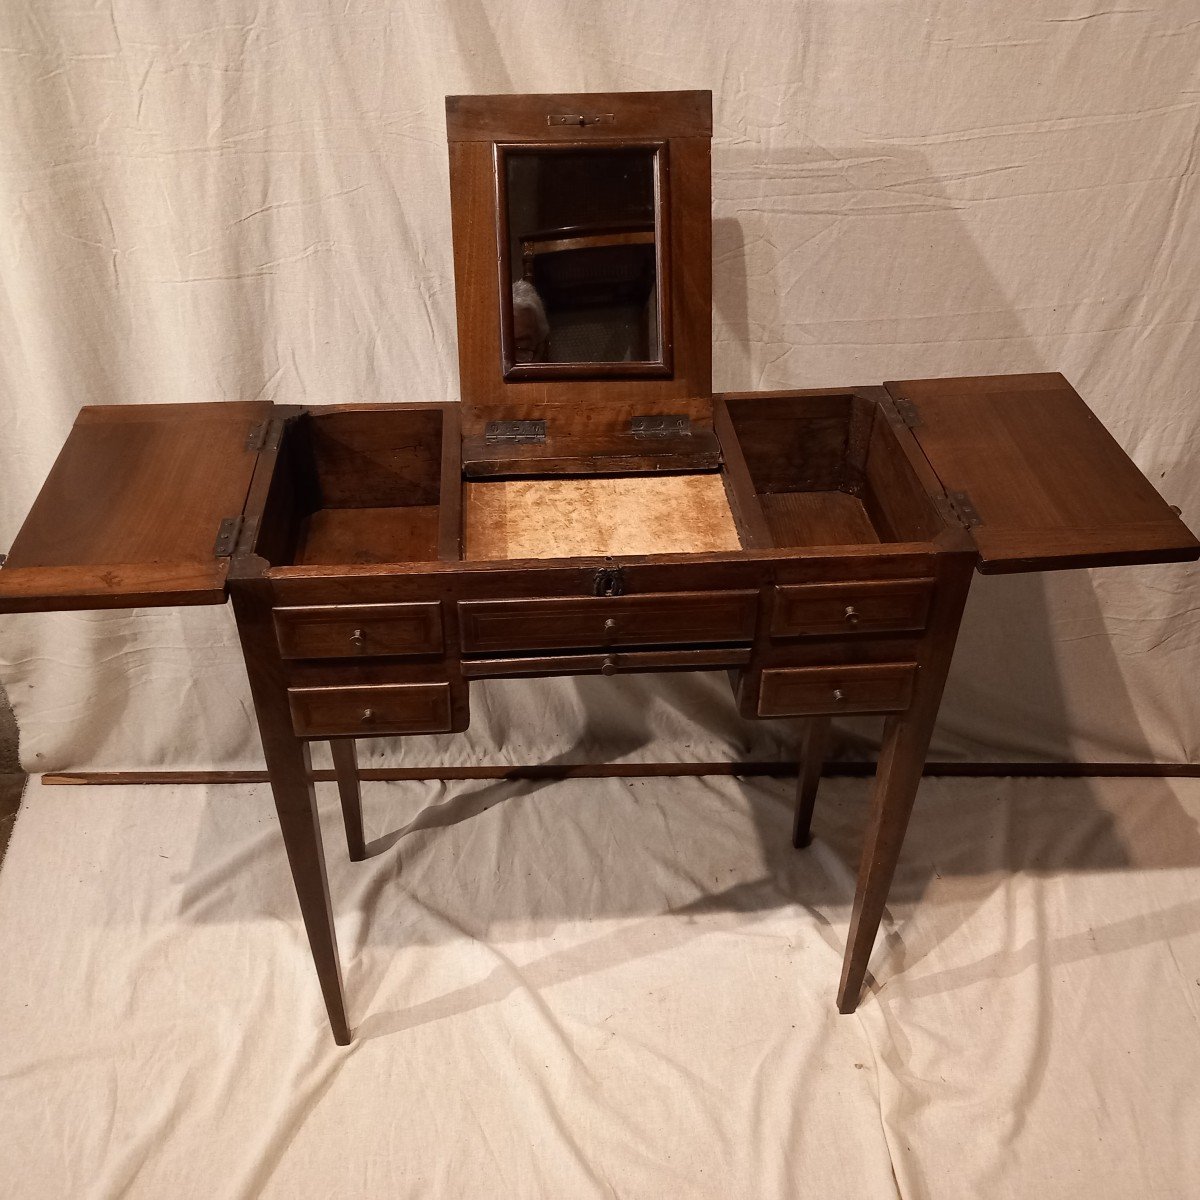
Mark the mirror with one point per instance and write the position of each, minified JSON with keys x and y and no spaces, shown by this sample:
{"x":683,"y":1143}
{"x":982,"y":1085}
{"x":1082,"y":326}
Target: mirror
{"x":581,"y":249}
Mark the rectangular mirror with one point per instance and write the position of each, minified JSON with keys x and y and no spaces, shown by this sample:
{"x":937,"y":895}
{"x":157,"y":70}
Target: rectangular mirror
{"x":582,"y":260}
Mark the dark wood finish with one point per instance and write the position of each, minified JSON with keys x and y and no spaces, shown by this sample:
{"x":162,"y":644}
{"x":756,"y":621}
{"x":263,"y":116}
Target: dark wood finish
{"x":354,"y":631}
{"x":612,"y":662}
{"x":744,"y":503}
{"x":509,"y":118}
{"x":542,"y":624}
{"x":375,"y":710}
{"x":813,"y":748}
{"x":345,"y":768}
{"x":369,"y":535}
{"x":852,"y":688}
{"x":130,"y":511}
{"x":352,"y":519}
{"x":817,"y":519}
{"x":905,"y":743}
{"x":289,"y":769}
{"x":1050,"y":485}
{"x":884,"y":606}
{"x":575,"y":450}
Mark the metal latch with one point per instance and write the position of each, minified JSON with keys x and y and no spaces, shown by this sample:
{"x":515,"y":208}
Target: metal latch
{"x":581,"y":119}
{"x":661,"y":425}
{"x":227,"y":536}
{"x":609,"y":582}
{"x":964,"y":510}
{"x":515,"y":431}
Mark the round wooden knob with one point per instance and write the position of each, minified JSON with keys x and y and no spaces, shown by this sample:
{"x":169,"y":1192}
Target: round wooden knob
{"x":610,"y":665}
{"x":851,"y":615}
{"x":368,"y":715}
{"x":609,"y":625}
{"x":839,"y":695}
{"x":358,"y":639}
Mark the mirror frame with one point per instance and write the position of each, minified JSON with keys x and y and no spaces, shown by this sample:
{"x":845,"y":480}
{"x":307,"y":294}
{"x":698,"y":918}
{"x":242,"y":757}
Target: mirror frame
{"x":655,"y":368}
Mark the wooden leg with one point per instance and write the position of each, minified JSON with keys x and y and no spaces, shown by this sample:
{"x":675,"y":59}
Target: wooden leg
{"x":345,"y":765}
{"x":288,"y":766}
{"x":901,"y":762}
{"x":813,"y":748}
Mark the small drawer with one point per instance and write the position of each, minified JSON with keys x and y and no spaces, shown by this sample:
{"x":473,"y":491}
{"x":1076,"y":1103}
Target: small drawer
{"x":664,"y":619}
{"x":858,"y":688}
{"x":353,"y":631}
{"x":881,"y":606}
{"x":370,"y":710}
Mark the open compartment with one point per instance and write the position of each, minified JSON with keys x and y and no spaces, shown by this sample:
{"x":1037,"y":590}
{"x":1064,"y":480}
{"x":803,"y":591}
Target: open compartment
{"x":365,"y":485}
{"x":828,"y":470}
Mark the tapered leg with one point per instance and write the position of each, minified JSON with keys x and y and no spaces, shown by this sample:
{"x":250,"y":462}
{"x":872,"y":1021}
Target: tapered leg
{"x":901,"y":763}
{"x":345,"y":765}
{"x":288,"y":766}
{"x":813,"y":748}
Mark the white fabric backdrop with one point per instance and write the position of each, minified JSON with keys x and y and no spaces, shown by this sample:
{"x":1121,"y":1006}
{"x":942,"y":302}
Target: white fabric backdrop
{"x":242,"y":199}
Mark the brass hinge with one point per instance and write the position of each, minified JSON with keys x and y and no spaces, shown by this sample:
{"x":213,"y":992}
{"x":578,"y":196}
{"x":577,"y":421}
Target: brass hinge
{"x":265,"y":435}
{"x":660,"y":425}
{"x":908,"y":413}
{"x":227,"y":536}
{"x":964,"y":510}
{"x":529,"y":431}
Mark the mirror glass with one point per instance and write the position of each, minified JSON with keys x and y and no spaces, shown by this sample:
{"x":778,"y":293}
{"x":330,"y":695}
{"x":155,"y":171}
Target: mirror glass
{"x":582,"y":256}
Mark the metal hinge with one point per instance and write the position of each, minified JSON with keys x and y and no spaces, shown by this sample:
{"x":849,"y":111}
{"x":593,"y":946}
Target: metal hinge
{"x":908,"y":413}
{"x":515,"y":431}
{"x":964,"y":510}
{"x":661,"y":425}
{"x":265,"y":435}
{"x":227,"y":536}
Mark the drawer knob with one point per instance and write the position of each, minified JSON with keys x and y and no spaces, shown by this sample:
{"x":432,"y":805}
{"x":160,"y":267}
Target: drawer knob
{"x":368,"y":715}
{"x":610,"y":665}
{"x":839,"y":695}
{"x":609,"y":625}
{"x":851,"y":615}
{"x":358,"y":639}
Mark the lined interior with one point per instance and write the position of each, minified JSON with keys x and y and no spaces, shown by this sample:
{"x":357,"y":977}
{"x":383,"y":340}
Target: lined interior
{"x":597,"y":515}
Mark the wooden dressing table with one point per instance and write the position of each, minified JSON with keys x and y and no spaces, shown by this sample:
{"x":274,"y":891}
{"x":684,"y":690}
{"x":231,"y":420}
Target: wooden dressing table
{"x":597,"y":516}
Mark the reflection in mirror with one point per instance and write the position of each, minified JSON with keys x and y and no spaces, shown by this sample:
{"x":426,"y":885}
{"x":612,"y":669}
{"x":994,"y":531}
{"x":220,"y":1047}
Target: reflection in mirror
{"x":582,"y":256}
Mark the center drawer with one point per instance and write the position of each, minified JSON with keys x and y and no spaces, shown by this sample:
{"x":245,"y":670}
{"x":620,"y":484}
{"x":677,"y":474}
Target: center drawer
{"x":663,"y":619}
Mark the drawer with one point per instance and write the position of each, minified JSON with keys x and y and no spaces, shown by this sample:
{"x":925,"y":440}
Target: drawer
{"x":370,"y":710}
{"x":856,"y":688}
{"x":351,"y":631}
{"x":666,"y":618}
{"x":880,"y":606}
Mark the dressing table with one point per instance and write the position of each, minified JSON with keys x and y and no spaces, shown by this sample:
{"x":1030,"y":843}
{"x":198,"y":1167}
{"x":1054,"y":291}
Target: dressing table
{"x":590,"y":506}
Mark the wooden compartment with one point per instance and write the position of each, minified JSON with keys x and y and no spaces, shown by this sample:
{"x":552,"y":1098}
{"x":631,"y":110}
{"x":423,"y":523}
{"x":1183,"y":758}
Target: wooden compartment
{"x":826,"y":469}
{"x":365,"y":485}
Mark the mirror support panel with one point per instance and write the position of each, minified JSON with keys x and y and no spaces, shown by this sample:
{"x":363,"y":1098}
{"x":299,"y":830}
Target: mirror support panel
{"x":592,"y":409}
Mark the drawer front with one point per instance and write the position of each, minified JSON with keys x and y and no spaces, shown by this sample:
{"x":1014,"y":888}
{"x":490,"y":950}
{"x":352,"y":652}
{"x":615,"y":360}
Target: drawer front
{"x":858,"y":688}
{"x":668,"y":618}
{"x":370,"y":710}
{"x":883,"y":606}
{"x":351,"y":631}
